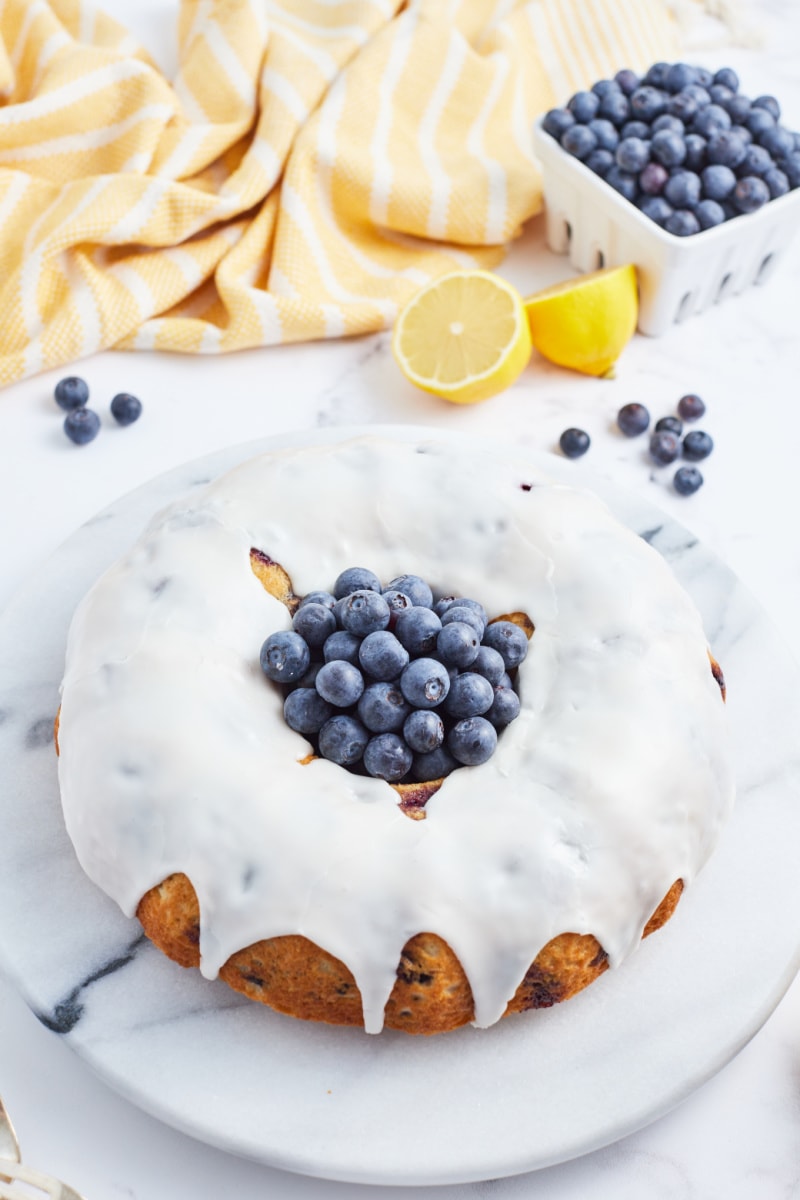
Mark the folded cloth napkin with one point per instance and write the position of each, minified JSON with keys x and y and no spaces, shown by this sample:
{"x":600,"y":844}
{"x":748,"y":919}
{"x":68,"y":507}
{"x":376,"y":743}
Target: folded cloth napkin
{"x":313,"y":163}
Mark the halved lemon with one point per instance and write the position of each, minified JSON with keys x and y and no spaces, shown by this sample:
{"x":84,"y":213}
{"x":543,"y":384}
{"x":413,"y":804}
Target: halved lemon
{"x":464,"y":337}
{"x":585,"y":323}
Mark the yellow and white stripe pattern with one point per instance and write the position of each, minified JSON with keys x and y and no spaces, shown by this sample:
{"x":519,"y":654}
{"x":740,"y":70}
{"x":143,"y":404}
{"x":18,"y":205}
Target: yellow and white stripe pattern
{"x":313,"y":163}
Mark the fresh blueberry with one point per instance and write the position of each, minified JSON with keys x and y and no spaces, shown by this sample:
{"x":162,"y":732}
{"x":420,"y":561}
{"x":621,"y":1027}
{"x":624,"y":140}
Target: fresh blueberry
{"x":657,"y":74}
{"x":696,"y":152}
{"x":709,"y":213}
{"x":679,"y":76}
{"x":398,"y":602}
{"x":743,"y":133}
{"x":637,"y":129}
{"x":606,"y":133}
{"x":383,"y":707}
{"x":315,"y":623}
{"x":633,"y":419}
{"x":472,"y":741}
{"x":441,"y":605}
{"x":670,"y":122}
{"x":656,"y":208}
{"x":305,"y":711}
{"x":363,"y":612}
{"x":728,"y":78}
{"x":622,"y":182}
{"x":343,"y":740}
{"x":687,"y":480}
{"x":285,"y":657}
{"x":584,"y":106}
{"x":627,"y":80}
{"x":71,"y":393}
{"x":664,"y":448}
{"x":668,"y":148}
{"x":671,"y":424}
{"x":557,"y":121}
{"x":791,"y":168}
{"x":423,"y":730}
{"x":704,"y":77}
{"x":682,"y":223}
{"x":770,"y":104}
{"x":466,"y":614}
{"x":387,"y":757}
{"x":750,"y":194}
{"x":698,"y":93}
{"x":489,"y":664}
{"x":435,"y":764}
{"x":758,"y":121}
{"x":309,"y":679}
{"x":382,"y":656}
{"x":342,"y":645}
{"x":505,"y":707}
{"x":697,"y":445}
{"x":647,"y":103}
{"x":356,"y":579}
{"x":614,"y":107}
{"x":777,"y":141}
{"x":726,"y":148}
{"x":738,"y":109}
{"x":474,"y":606}
{"x":340,"y":683}
{"x":720,"y":94}
{"x":574,"y":443}
{"x":777,"y":182}
{"x":683,"y":189}
{"x":757,"y":161}
{"x":711,"y":119}
{"x":417,"y":630}
{"x":81,"y":425}
{"x":508,"y":640}
{"x":325,"y":598}
{"x":718,"y":182}
{"x":691,"y":407}
{"x":125,"y":409}
{"x":470,"y":695}
{"x":653,"y":178}
{"x":415,"y":588}
{"x":425,"y":683}
{"x":683,"y":106}
{"x":458,"y":644}
{"x":600,"y":161}
{"x":579,"y":141}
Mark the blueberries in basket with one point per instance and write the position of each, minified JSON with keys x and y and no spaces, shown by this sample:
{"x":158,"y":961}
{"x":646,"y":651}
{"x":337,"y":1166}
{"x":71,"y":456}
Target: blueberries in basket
{"x":607,"y":134}
{"x":584,"y":106}
{"x":647,"y":103}
{"x":728,"y":78}
{"x":682,"y":223}
{"x":635,"y":129}
{"x":718,"y":182}
{"x":600,"y":161}
{"x":683,"y":189}
{"x":709,"y":213}
{"x":557,"y":121}
{"x":574,"y":443}
{"x":756,"y":161}
{"x":656,"y":208}
{"x":71,"y":393}
{"x":777,"y":182}
{"x":632,"y":154}
{"x":125,"y":409}
{"x":687,"y":481}
{"x":750,"y":194}
{"x":622,"y":182}
{"x":633,"y":419}
{"x":679,"y":76}
{"x":614,"y":107}
{"x":758,"y":121}
{"x":627,"y":80}
{"x":579,"y":141}
{"x":81,"y":425}
{"x":777,"y":141}
{"x":652,"y":179}
{"x":726,"y":148}
{"x":668,"y":148}
{"x":696,"y":152}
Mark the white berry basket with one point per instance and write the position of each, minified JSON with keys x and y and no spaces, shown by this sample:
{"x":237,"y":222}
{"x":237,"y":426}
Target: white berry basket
{"x":597,"y":227}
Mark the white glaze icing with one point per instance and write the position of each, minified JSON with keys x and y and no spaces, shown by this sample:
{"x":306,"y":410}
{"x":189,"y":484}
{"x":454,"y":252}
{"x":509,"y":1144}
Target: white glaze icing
{"x":612,"y":783}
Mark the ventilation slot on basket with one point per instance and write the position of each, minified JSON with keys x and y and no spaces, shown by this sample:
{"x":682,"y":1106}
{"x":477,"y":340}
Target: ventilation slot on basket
{"x":684,"y":308}
{"x":568,"y":231}
{"x":764,"y":269}
{"x":599,"y":260}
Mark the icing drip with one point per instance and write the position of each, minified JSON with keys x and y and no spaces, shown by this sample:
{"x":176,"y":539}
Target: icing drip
{"x":612,"y":783}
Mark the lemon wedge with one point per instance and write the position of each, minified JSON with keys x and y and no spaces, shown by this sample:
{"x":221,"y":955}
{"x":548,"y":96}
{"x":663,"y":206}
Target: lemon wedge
{"x":585,"y":323}
{"x":464,"y":337}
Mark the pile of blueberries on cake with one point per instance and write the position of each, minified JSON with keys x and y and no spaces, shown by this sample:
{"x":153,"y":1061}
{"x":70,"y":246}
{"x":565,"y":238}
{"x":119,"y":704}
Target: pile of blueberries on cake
{"x":681,"y":143}
{"x":389,"y":682}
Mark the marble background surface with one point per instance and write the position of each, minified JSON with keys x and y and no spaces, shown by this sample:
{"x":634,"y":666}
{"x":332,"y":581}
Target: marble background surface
{"x":737,"y":1136}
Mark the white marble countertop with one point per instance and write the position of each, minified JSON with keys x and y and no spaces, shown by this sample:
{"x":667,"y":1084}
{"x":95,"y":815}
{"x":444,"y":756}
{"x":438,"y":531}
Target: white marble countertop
{"x":737,"y":1136}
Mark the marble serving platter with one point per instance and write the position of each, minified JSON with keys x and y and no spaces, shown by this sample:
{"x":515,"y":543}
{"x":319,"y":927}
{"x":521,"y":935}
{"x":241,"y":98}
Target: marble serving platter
{"x":532,"y":1091}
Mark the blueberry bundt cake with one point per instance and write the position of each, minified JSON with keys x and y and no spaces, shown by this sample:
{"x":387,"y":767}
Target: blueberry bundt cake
{"x":466,"y":856}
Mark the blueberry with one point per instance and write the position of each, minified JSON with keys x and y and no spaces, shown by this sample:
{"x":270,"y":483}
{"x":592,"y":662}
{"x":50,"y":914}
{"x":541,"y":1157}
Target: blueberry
{"x":742,"y":132}
{"x":125,"y":409}
{"x":387,"y":757}
{"x":614,"y":107}
{"x":670,"y":122}
{"x":342,"y":645}
{"x":508,"y":640}
{"x":633,"y":419}
{"x":605,"y":85}
{"x":750,"y":194}
{"x":697,"y":445}
{"x":474,"y":607}
{"x":691,"y":407}
{"x":600,"y":161}
{"x":770,"y":104}
{"x":668,"y":148}
{"x":757,"y":161}
{"x":81,"y":425}
{"x":505,"y":707}
{"x":698,"y":93}
{"x":671,"y":424}
{"x":627,"y":80}
{"x":315,"y":623}
{"x":632,"y":154}
{"x":711,"y":119}
{"x":776,"y":181}
{"x":363,"y":612}
{"x":647,"y":103}
{"x":728,"y":78}
{"x":356,"y":579}
{"x":309,"y":679}
{"x":638,"y":129}
{"x":657,"y":74}
{"x":584,"y":106}
{"x":720,"y":94}
{"x":683,"y":189}
{"x":709,"y":213}
{"x":340,"y":683}
{"x":417,"y":630}
{"x":653,"y":178}
{"x":687,"y":480}
{"x":458,"y":644}
{"x":777,"y":141}
{"x":415,"y":588}
{"x":656,"y":208}
{"x":790,"y":165}
{"x":718,"y":182}
{"x":579,"y":141}
{"x":738,"y":108}
{"x":606,"y":133}
{"x":435,"y":764}
{"x":423,"y":730}
{"x":696,"y":151}
{"x":305,"y":711}
{"x":489,"y":664}
{"x":472,"y":741}
{"x":443,"y":603}
{"x":682,"y":223}
{"x":325,"y":598}
{"x":704,"y":77}
{"x":574,"y":443}
{"x":285,"y":657}
{"x":71,"y":393}
{"x":758,"y":121}
{"x":470,"y":695}
{"x":622,"y":182}
{"x":343,"y":740}
{"x":679,"y":76}
{"x":726,"y":148}
{"x":398,"y":602}
{"x":382,"y":656}
{"x":664,"y":448}
{"x":383,"y":707}
{"x":683,"y":106}
{"x":425,"y":683}
{"x":557,"y":121}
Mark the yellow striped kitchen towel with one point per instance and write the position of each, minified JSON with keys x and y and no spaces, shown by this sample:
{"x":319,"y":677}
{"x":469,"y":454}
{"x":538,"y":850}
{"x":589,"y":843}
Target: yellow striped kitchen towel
{"x":311,"y":165}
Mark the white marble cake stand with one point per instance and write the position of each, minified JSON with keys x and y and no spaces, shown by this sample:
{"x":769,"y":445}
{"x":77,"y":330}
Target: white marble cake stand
{"x":532,"y":1091}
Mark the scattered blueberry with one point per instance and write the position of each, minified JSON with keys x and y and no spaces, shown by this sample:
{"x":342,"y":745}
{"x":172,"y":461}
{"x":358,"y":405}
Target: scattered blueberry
{"x":285,"y":657}
{"x":657,"y":74}
{"x":758,"y":121}
{"x":691,"y":407}
{"x":125,"y":409}
{"x":398,"y":602}
{"x":696,"y":152}
{"x":756,"y":161}
{"x":340,"y":683}
{"x":633,"y":419}
{"x":614,"y":107}
{"x":71,"y":393}
{"x":687,"y":480}
{"x":472,"y":741}
{"x":697,"y":445}
{"x":710,"y":120}
{"x":679,"y":76}
{"x":682,"y":223}
{"x":343,"y":740}
{"x":467,"y":613}
{"x":668,"y":121}
{"x":664,"y":447}
{"x":574,"y":443}
{"x":81,"y":425}
{"x":671,"y":424}
{"x":790,"y":166}
{"x":387,"y":757}
{"x":737,"y":109}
